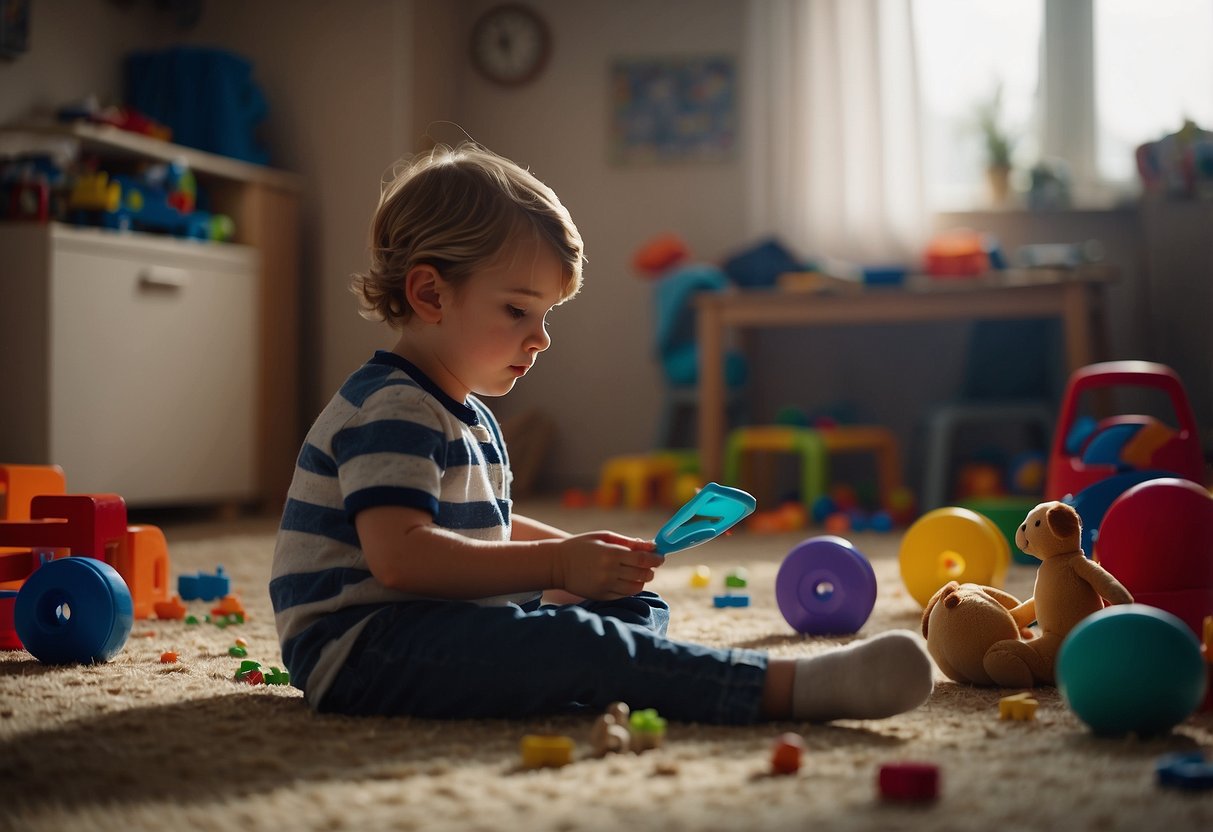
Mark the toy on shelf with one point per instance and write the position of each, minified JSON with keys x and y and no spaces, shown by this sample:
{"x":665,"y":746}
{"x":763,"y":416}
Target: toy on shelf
{"x":952,"y":544}
{"x":1069,"y":587}
{"x":825,"y":586}
{"x":163,"y":198}
{"x":1093,"y":462}
{"x":1131,"y":669}
{"x":1157,"y":539}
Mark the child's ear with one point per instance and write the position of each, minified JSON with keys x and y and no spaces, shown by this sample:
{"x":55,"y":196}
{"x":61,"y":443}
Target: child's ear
{"x":423,"y":291}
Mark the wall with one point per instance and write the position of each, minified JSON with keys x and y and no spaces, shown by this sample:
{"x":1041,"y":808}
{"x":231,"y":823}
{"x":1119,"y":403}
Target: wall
{"x":599,"y":380}
{"x":353,"y":87}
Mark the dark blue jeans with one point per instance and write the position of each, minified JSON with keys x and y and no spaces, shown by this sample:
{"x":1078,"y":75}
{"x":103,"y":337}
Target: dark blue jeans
{"x":448,"y":659}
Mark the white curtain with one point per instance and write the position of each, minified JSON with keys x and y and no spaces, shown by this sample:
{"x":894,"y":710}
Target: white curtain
{"x":833,"y":141}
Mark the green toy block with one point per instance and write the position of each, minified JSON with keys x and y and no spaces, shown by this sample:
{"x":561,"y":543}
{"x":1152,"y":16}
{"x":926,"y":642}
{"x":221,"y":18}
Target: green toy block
{"x":1007,"y":513}
{"x":647,"y":721}
{"x":277,"y":677}
{"x":247,"y":666}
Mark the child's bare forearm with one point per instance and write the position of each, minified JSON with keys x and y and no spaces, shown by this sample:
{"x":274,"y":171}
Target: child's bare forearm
{"x":443,"y":564}
{"x":528,"y":528}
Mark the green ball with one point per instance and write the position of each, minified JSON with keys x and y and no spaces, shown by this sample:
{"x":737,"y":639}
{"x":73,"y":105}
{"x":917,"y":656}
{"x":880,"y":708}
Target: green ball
{"x":1131,"y":669}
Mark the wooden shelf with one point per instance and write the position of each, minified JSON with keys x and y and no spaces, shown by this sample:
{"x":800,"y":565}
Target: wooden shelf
{"x":111,"y":141}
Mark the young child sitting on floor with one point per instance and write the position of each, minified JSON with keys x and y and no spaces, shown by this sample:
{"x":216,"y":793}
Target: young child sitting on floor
{"x":403,"y":583}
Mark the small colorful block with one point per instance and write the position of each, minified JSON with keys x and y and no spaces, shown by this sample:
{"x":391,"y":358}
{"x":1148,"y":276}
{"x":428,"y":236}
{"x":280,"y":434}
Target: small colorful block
{"x":720,"y":601}
{"x":546,"y":750}
{"x":1021,"y":707}
{"x":1189,"y":771}
{"x":786,"y":753}
{"x":701,"y":577}
{"x":247,"y":666}
{"x":277,"y":677}
{"x":168,"y":657}
{"x":909,"y":781}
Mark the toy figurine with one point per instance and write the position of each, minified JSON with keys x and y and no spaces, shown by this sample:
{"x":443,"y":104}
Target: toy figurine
{"x":1069,"y":587}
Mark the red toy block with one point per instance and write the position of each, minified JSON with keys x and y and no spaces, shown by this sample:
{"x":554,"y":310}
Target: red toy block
{"x":9,"y":639}
{"x":142,"y":561}
{"x":917,"y":782}
{"x":93,"y":525}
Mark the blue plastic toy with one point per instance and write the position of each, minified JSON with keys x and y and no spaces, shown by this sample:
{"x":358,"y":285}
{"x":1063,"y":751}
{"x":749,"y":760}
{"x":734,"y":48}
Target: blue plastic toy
{"x":203,"y":587}
{"x":74,"y":610}
{"x":1187,"y":770}
{"x":825,"y":586}
{"x":1131,"y":669}
{"x":709,"y":514}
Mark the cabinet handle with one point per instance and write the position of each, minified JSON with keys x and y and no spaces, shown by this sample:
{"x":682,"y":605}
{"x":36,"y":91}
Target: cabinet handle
{"x":163,"y":278}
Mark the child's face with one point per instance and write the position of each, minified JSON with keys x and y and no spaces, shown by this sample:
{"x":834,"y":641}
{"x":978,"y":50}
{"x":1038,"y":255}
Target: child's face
{"x":496,"y":325}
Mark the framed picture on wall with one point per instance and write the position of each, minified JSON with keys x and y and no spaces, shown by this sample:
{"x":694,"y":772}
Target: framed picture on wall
{"x":673,"y":109}
{"x":14,"y":27}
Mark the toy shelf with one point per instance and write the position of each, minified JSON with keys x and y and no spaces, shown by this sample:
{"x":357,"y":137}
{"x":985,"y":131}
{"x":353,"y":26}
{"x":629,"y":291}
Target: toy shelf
{"x":264,"y":204}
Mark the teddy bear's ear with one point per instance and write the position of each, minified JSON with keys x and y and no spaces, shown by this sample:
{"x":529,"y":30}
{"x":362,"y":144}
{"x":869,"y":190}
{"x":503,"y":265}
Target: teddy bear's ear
{"x":946,"y":589}
{"x":1063,"y":521}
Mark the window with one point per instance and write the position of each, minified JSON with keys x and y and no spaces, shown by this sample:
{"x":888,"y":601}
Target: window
{"x":969,"y":50}
{"x":1083,"y":81}
{"x":1153,"y":69}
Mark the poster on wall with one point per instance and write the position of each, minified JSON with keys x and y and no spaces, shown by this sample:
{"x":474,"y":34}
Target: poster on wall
{"x":14,"y":27}
{"x":673,"y":110}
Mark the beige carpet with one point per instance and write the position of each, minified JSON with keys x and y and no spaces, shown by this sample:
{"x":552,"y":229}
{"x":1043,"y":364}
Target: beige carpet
{"x":136,"y":744}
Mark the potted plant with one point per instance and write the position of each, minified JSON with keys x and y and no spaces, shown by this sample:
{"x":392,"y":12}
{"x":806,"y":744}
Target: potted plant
{"x":998,"y":145}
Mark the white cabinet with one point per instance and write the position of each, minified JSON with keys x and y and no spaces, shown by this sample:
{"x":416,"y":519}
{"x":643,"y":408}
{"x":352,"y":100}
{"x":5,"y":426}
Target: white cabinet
{"x":131,"y":361}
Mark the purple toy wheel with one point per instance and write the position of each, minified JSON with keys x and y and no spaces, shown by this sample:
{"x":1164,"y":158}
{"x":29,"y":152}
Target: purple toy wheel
{"x":825,"y":586}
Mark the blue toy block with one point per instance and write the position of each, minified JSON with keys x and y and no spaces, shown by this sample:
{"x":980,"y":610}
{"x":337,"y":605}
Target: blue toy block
{"x":720,"y":601}
{"x":204,"y":587}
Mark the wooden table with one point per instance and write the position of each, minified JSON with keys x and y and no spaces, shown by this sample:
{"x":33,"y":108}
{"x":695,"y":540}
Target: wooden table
{"x":1075,"y":296}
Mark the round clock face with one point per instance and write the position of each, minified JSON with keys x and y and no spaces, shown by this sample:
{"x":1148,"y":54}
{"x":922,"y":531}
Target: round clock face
{"x":510,"y":44}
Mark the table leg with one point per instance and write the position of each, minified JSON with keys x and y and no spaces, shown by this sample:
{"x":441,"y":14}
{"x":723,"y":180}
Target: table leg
{"x":711,"y":392}
{"x":1080,"y":350}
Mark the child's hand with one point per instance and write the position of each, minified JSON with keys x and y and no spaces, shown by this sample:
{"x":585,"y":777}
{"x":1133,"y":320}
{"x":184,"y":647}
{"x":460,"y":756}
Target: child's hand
{"x":604,"y":565}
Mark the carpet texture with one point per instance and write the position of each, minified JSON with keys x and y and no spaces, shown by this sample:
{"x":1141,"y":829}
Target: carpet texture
{"x":137,"y":744}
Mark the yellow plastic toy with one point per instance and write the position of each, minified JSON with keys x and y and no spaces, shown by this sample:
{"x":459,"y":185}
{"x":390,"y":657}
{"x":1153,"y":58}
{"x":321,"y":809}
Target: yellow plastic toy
{"x":1020,"y":707}
{"x":952,"y":544}
{"x":546,"y":750}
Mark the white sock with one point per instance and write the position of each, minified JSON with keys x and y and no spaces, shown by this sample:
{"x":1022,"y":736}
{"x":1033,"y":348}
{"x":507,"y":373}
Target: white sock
{"x":872,"y":679}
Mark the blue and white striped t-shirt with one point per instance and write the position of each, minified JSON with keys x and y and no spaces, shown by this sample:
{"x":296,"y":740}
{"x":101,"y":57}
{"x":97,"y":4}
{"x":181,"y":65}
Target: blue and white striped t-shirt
{"x":389,"y":437}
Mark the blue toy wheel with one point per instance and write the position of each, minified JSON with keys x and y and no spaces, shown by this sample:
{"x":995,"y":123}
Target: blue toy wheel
{"x":825,"y":586}
{"x":74,"y":610}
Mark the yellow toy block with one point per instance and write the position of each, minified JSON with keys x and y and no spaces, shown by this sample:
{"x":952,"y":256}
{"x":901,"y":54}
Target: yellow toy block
{"x":546,"y":750}
{"x":701,"y":577}
{"x":1021,"y":707}
{"x":638,"y":481}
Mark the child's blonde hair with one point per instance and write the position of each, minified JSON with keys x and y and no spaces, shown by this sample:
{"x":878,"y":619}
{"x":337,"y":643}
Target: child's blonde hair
{"x":454,"y":209}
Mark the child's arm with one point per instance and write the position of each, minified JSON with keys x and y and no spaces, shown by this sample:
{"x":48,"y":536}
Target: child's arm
{"x":406,"y":551}
{"x":527,"y":528}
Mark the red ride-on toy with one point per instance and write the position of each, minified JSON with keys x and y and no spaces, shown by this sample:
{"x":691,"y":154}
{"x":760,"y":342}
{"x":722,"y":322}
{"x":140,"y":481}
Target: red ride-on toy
{"x":1094,"y":462}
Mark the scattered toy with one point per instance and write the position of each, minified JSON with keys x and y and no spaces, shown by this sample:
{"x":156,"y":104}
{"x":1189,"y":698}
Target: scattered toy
{"x":1021,"y":707}
{"x":170,"y":610}
{"x":701,"y":577}
{"x":204,"y":587}
{"x":648,"y":729}
{"x":786,"y":753}
{"x":909,"y":781}
{"x":1185,"y":770}
{"x":546,"y":750}
{"x":168,"y":657}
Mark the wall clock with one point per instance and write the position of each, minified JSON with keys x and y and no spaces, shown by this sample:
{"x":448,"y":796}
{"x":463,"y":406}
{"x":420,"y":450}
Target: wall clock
{"x":510,"y":44}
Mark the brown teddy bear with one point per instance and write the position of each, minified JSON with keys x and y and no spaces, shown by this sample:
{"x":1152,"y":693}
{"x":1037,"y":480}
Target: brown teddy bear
{"x":1069,"y":587}
{"x":961,"y":623}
